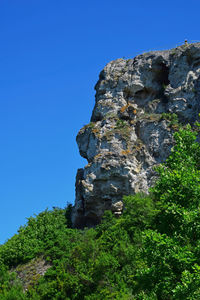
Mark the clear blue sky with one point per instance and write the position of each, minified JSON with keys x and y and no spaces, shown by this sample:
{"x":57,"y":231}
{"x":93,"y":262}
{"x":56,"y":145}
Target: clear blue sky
{"x":51,"y":52}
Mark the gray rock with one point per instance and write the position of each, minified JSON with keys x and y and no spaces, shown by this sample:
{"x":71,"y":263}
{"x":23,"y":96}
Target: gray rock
{"x":132,"y":125}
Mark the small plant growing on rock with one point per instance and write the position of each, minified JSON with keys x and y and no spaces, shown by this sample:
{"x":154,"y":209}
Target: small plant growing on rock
{"x":172,"y":118}
{"x":120,"y":124}
{"x":90,"y":125}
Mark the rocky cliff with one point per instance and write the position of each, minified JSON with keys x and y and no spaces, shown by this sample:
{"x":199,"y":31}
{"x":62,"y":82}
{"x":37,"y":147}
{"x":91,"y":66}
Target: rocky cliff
{"x":139,"y":104}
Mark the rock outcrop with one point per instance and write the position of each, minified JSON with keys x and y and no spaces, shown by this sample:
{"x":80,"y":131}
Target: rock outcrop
{"x":139,"y":104}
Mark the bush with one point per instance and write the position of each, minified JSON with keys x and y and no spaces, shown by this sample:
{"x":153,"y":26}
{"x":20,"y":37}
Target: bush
{"x":151,"y":252}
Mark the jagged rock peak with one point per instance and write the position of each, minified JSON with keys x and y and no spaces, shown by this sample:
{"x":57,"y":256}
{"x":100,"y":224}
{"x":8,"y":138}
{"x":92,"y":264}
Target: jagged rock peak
{"x":139,"y":104}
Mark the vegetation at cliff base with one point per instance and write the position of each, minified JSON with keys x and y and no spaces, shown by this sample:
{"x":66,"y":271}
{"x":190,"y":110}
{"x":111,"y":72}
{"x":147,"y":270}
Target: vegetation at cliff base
{"x":151,"y":252}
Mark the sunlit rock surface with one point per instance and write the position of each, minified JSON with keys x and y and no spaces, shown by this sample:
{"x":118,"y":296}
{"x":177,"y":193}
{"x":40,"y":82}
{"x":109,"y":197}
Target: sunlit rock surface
{"x":138,"y":103}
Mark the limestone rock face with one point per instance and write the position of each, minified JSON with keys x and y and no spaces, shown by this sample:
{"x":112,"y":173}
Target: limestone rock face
{"x":139,"y":104}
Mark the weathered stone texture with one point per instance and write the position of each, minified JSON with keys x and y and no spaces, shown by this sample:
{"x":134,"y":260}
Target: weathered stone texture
{"x":128,"y":133}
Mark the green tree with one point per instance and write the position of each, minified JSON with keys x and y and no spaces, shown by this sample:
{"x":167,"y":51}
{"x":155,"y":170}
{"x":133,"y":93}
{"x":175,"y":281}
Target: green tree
{"x":171,"y":247}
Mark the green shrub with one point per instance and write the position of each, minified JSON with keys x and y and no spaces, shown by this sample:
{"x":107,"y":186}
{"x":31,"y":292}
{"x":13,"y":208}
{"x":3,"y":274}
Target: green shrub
{"x":151,"y":252}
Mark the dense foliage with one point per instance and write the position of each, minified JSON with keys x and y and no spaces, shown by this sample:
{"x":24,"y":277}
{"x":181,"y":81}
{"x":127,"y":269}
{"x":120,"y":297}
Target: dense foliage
{"x":151,"y":252}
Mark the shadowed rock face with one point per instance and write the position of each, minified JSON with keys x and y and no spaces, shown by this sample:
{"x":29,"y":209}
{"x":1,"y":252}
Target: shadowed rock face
{"x":128,"y":133}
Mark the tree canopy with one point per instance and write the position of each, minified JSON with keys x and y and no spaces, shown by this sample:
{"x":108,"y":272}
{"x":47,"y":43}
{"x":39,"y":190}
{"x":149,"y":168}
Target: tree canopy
{"x":151,"y":252}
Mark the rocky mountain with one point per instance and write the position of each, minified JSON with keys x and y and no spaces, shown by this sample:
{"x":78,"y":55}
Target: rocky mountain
{"x":139,"y":103}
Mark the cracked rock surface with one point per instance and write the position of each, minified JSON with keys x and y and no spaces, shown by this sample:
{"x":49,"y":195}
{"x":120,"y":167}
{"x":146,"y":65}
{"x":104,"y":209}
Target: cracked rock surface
{"x":139,"y":103}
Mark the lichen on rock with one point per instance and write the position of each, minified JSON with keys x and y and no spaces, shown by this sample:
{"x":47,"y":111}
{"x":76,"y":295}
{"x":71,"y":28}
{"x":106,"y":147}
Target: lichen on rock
{"x":138,"y":102}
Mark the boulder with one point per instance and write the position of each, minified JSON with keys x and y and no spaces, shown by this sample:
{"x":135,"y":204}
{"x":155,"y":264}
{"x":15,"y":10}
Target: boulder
{"x":139,"y":104}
